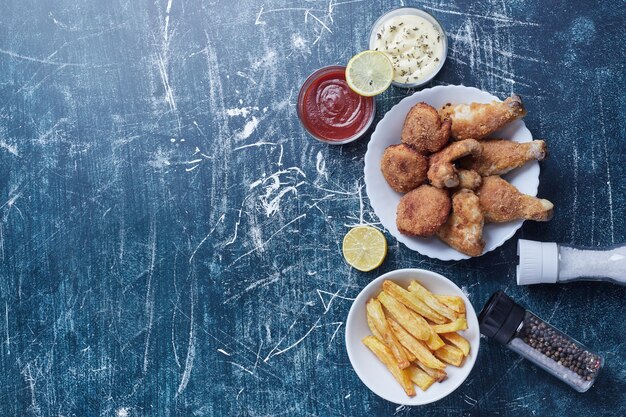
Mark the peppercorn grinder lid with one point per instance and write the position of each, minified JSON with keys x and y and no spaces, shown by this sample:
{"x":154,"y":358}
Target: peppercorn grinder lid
{"x":538,"y":262}
{"x":500,"y":317}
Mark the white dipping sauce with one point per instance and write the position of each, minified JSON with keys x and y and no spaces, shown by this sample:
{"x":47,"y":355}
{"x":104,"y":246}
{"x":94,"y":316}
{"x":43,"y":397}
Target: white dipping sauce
{"x":414,"y":45}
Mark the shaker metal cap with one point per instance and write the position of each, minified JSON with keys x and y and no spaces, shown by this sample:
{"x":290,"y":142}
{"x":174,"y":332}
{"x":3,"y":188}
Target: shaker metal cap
{"x":500,"y":317}
{"x":538,"y":262}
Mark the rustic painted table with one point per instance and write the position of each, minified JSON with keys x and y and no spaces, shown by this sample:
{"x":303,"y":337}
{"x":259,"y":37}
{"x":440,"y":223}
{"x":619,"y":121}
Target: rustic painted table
{"x":170,"y":237}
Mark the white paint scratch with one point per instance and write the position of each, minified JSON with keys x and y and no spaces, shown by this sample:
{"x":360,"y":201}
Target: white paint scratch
{"x":276,"y":188}
{"x":169,"y":93}
{"x":241,"y":111}
{"x":12,"y":149}
{"x":249,"y":128}
{"x":575,"y":193}
{"x":221,"y":219}
{"x":339,"y":324}
{"x":276,"y":352}
{"x":223,"y":352}
{"x":494,"y":18}
{"x":328,"y":303}
{"x":6,"y":327}
{"x":122,"y":412}
{"x":320,"y":165}
{"x":191,"y":348}
{"x":308,"y":13}
{"x":160,"y":160}
{"x":607,"y":163}
{"x":46,"y":61}
{"x":149,"y":305}
{"x":243,"y":368}
{"x":258,"y":284}
{"x":260,"y":246}
{"x":255,"y":145}
{"x":32,"y":382}
{"x":167,"y":20}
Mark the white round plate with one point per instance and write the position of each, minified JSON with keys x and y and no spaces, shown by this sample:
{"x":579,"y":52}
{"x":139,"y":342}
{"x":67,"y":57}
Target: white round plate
{"x":373,"y":373}
{"x":384,"y":200}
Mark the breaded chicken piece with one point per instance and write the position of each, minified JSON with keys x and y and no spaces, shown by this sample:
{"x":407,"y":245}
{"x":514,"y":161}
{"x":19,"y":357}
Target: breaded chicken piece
{"x":442,"y":172}
{"x":479,"y":120}
{"x":424,"y":130}
{"x":464,"y":228}
{"x":421,"y":212}
{"x":500,"y":156}
{"x":403,"y":167}
{"x":502,"y":202}
{"x":469,"y":179}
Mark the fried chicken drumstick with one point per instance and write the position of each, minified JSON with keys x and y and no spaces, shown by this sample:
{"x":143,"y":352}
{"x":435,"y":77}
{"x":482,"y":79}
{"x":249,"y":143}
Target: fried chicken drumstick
{"x":501,"y":202}
{"x":464,"y":228}
{"x":442,"y":173}
{"x":479,"y":120}
{"x":500,"y":156}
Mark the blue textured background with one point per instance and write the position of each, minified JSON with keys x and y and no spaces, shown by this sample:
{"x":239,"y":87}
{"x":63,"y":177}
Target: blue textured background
{"x":170,"y":237}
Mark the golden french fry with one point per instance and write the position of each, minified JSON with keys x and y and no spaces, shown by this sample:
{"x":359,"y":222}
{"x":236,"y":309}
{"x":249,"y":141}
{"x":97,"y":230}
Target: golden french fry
{"x":372,"y":326}
{"x":409,"y":355}
{"x":386,"y":357}
{"x":413,"y":302}
{"x":370,"y":323}
{"x":375,"y":311}
{"x":437,"y":374}
{"x":456,"y":325}
{"x":458,"y":341}
{"x":450,"y":354}
{"x":434,"y":342}
{"x":452,"y":301}
{"x":431,"y":301}
{"x":412,"y":322}
{"x":416,"y":347}
{"x":420,"y":378}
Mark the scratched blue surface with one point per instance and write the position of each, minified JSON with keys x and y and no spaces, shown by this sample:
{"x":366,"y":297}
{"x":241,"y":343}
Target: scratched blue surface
{"x":170,"y":237}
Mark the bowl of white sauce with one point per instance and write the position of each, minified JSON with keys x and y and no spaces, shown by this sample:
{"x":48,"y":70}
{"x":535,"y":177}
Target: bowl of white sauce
{"x":414,"y":41}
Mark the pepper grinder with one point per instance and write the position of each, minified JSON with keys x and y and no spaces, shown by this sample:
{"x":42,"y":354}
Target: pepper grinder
{"x":549,"y":263}
{"x":520,"y":330}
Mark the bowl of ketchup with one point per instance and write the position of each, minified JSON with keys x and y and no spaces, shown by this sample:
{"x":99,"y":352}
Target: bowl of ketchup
{"x":330,"y":111}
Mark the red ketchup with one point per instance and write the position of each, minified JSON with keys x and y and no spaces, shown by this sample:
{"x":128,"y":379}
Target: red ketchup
{"x":330,"y":111}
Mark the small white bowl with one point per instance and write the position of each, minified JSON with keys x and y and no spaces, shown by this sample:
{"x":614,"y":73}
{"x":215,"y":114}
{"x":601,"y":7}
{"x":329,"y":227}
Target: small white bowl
{"x":402,"y":11}
{"x":373,"y":373}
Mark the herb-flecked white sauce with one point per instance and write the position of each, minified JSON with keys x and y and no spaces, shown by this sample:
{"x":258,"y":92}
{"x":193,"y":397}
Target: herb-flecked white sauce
{"x":413,"y":44}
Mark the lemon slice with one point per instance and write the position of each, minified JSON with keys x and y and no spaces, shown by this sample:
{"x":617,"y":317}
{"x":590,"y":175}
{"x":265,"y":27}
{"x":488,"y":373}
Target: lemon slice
{"x":364,"y":248}
{"x":369,"y":73}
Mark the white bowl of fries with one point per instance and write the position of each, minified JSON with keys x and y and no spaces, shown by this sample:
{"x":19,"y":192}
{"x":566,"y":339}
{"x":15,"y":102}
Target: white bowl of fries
{"x":412,"y":336}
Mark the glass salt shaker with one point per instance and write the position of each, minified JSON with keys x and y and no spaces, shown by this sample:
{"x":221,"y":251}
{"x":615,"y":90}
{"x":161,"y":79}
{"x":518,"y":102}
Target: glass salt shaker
{"x":549,"y":263}
{"x":528,"y":335}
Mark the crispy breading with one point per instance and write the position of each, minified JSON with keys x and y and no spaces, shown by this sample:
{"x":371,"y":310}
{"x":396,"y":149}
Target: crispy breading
{"x":469,"y":179}
{"x":424,"y":130}
{"x":479,"y":120}
{"x":501,"y":202}
{"x":464,"y":228}
{"x":403,"y":167}
{"x":500,"y":156}
{"x":421,"y":212}
{"x":442,"y":173}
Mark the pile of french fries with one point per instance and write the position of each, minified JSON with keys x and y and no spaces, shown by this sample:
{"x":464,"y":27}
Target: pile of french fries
{"x":409,"y":329}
